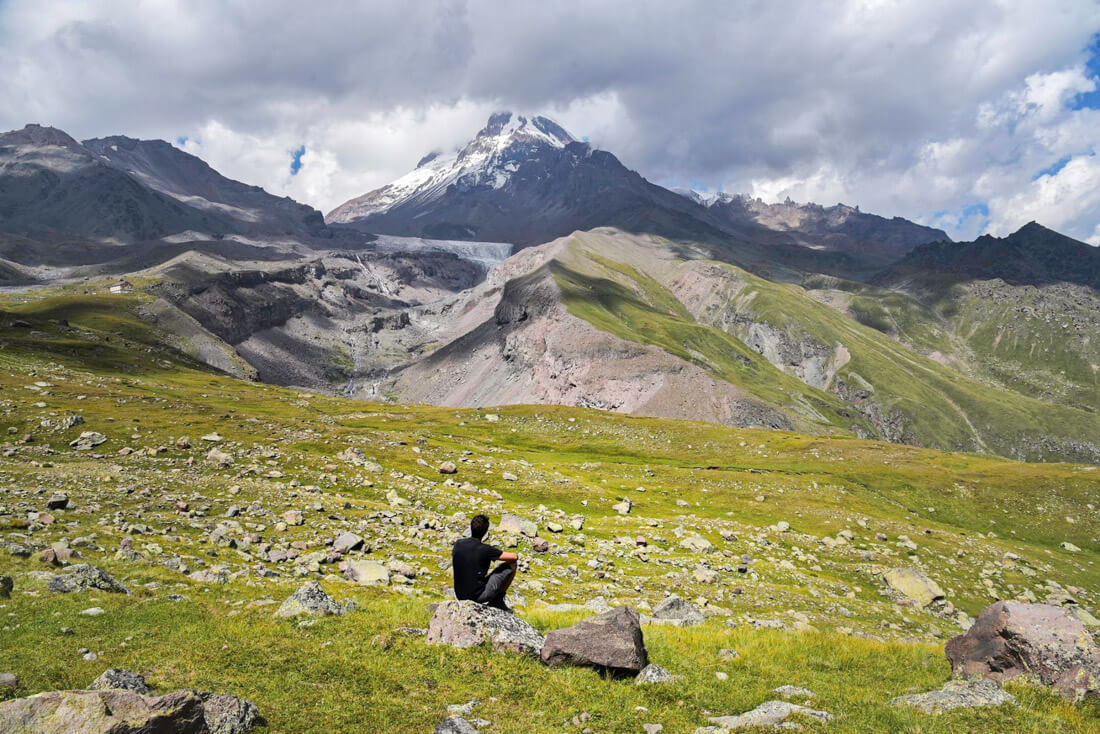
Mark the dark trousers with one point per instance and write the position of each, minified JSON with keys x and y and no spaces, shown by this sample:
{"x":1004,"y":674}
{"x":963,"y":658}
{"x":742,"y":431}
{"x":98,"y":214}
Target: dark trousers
{"x":495,"y":584}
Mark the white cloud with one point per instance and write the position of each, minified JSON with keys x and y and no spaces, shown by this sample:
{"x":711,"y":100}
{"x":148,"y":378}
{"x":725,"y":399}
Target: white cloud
{"x":924,"y":108}
{"x":1068,"y":200}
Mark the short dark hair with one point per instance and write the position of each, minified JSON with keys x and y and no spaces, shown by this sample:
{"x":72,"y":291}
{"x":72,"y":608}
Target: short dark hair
{"x":479,"y":526}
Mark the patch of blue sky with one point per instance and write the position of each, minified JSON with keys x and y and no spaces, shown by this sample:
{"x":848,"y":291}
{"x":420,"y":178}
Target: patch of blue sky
{"x":1090,"y":100}
{"x":296,"y":159}
{"x":1053,"y":168}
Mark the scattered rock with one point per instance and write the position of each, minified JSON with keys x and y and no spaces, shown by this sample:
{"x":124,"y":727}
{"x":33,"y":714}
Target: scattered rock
{"x":624,"y":507}
{"x":772,"y":713}
{"x":58,"y":501}
{"x":367,"y":573}
{"x":516,"y":525}
{"x":1041,"y":641}
{"x":226,"y":714}
{"x":209,"y":576}
{"x":611,"y":641}
{"x":83,"y":577}
{"x":674,"y":609}
{"x":214,"y":437}
{"x":8,"y":683}
{"x":352,"y":455}
{"x":121,"y":680}
{"x":347,"y":542}
{"x":293,"y":517}
{"x":509,"y":477}
{"x":105,"y":711}
{"x":913,"y":584}
{"x":1068,"y":546}
{"x":654,"y":673}
{"x":87,"y":440}
{"x":455,"y":725}
{"x":696,"y":544}
{"x":956,"y":694}
{"x":219,"y":457}
{"x":448,"y":467}
{"x":789,"y":692}
{"x":310,"y":599}
{"x":464,"y":624}
{"x":6,"y":586}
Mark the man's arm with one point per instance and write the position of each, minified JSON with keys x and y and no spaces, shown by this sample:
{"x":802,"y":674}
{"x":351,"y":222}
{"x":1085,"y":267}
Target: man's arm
{"x":509,"y":557}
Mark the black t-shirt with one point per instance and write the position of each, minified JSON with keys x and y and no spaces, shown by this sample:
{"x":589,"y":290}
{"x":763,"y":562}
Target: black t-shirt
{"x":471,"y":560}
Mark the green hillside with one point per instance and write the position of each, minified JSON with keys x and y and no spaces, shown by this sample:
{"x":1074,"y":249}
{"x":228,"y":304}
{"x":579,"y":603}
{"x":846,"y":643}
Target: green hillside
{"x":810,"y":609}
{"x":882,"y":389}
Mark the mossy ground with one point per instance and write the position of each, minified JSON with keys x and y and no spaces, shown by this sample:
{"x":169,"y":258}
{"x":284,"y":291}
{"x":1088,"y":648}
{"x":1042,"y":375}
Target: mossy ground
{"x":854,"y":646}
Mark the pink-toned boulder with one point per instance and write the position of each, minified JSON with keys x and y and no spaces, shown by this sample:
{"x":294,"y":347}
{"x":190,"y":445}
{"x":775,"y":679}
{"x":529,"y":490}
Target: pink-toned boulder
{"x":1043,"y":642}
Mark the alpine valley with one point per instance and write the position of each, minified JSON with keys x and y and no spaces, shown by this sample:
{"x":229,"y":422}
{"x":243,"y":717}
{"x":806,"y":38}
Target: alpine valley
{"x":763,"y":464}
{"x":528,"y":267}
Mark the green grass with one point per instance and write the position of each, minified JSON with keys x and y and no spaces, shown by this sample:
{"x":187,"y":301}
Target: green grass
{"x":357,"y":673}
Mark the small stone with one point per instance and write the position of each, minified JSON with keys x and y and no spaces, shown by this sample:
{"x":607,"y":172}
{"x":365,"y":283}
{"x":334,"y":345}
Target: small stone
{"x":346,"y":542}
{"x":455,"y":725}
{"x":913,"y":584}
{"x":93,"y":612}
{"x":367,"y":573}
{"x":957,"y":694}
{"x":310,"y":599}
{"x":87,"y":440}
{"x":57,"y":501}
{"x":654,"y":673}
{"x":83,"y":577}
{"x":771,"y":713}
{"x":789,"y":692}
{"x":8,"y":683}
{"x":673,"y":608}
{"x":448,"y":467}
{"x":696,"y":544}
{"x":119,"y":679}
{"x":6,"y":586}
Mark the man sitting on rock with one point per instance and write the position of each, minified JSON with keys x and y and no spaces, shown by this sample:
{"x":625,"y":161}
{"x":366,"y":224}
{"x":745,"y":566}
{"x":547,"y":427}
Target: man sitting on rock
{"x":471,"y":559}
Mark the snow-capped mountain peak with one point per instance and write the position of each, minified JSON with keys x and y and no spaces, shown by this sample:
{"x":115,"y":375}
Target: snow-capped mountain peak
{"x":489,"y":159}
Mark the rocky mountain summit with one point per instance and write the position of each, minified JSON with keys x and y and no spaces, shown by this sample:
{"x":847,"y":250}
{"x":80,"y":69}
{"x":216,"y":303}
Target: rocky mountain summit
{"x":120,"y":190}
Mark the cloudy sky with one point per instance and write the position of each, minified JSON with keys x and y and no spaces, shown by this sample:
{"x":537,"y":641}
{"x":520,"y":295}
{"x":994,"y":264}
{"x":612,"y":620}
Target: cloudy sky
{"x":973,"y":116}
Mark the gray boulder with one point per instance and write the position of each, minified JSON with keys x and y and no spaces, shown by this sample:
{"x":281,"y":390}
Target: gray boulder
{"x":610,"y":641}
{"x":87,"y":440}
{"x":464,"y":624}
{"x":112,"y":711}
{"x":367,"y":573}
{"x":654,"y":673}
{"x":309,"y":599}
{"x":347,"y":542}
{"x":6,"y":586}
{"x":955,"y":694}
{"x":1039,"y":641}
{"x":226,"y":714}
{"x":121,"y":680}
{"x":84,"y":577}
{"x":674,"y":609}
{"x":516,"y":525}
{"x":455,"y":725}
